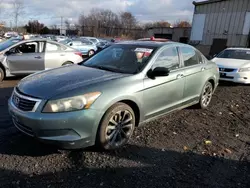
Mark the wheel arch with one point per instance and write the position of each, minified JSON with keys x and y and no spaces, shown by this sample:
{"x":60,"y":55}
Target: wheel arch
{"x":4,"y":70}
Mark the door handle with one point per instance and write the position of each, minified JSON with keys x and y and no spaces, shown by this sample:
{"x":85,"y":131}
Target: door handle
{"x":203,"y":68}
{"x":180,"y":76}
{"x":62,"y":54}
{"x":38,"y":57}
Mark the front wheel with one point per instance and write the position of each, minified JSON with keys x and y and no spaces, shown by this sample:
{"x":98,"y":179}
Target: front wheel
{"x":117,"y":127}
{"x":91,"y":52}
{"x":206,"y":95}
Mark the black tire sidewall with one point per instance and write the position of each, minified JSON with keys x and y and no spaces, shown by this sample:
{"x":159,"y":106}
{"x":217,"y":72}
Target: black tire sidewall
{"x":101,"y":141}
{"x":1,"y":75}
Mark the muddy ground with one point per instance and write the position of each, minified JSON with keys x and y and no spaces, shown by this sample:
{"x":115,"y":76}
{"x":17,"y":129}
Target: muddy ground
{"x":168,"y":152}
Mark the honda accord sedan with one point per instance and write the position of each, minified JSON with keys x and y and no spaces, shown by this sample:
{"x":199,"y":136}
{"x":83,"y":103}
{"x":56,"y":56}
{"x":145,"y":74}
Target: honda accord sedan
{"x":102,"y":100}
{"x":234,"y":65}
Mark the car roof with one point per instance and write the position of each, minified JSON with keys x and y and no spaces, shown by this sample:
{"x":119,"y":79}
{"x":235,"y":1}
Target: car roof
{"x":238,"y":49}
{"x":146,"y":43}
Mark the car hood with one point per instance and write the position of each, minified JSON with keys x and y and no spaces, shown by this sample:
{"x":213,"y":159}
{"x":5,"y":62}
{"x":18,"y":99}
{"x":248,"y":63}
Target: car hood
{"x":231,"y":63}
{"x":49,"y":83}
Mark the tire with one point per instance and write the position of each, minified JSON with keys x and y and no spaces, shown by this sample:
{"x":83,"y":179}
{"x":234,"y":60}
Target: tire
{"x":67,"y":63}
{"x":206,"y":96}
{"x":111,"y":136}
{"x":91,"y":52}
{"x":2,"y":74}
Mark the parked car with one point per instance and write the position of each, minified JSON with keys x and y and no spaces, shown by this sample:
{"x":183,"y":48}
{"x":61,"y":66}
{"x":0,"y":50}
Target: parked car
{"x":60,"y":38}
{"x":102,"y":45}
{"x":87,"y":48}
{"x":91,"y":39}
{"x":29,"y":56}
{"x":234,"y":65}
{"x":103,"y":99}
{"x":154,"y":39}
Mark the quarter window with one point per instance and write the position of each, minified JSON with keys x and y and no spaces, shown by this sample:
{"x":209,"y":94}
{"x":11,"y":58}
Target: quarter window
{"x":168,"y":58}
{"x":190,"y":56}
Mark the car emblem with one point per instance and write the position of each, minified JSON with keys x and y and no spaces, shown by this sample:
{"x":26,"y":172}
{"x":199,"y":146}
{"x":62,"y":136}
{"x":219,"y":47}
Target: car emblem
{"x":222,"y":69}
{"x":16,"y":100}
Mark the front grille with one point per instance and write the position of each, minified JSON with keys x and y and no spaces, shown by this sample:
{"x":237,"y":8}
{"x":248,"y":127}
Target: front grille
{"x":24,"y":103}
{"x":228,"y":77}
{"x":227,"y":70}
{"x":23,"y":128}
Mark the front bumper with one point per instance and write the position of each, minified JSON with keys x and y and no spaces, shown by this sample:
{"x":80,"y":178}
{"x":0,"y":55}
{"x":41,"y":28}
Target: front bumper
{"x":71,"y":130}
{"x":237,"y":77}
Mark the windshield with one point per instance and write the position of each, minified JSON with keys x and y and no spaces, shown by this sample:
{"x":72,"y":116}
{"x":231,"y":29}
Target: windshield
{"x":235,"y":54}
{"x":122,"y":58}
{"x":8,"y":43}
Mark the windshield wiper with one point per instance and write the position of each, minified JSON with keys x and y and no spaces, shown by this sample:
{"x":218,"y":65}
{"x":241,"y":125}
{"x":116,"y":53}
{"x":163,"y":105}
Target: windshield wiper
{"x":106,"y":68}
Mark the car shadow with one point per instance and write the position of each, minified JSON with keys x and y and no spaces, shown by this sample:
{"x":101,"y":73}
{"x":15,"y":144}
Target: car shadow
{"x":135,"y":166}
{"x":230,"y":84}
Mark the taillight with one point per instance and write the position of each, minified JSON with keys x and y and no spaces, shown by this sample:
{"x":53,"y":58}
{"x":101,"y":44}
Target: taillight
{"x":78,"y":53}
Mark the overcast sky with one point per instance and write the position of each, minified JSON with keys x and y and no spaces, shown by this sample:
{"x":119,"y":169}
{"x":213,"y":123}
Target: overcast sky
{"x":50,"y":11}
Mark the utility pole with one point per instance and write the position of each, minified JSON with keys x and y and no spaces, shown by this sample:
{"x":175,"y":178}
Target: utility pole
{"x":61,"y":25}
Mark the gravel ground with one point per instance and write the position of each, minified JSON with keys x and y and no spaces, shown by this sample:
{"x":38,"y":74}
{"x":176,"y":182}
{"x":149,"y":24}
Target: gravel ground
{"x":189,"y":148}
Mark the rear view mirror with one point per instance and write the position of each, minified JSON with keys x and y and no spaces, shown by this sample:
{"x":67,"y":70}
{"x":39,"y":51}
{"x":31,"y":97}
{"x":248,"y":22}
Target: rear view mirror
{"x":158,"y":71}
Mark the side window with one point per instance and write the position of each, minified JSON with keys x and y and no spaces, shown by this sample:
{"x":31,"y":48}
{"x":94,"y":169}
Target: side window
{"x":50,"y":47}
{"x":168,"y":58}
{"x":190,"y":56}
{"x":29,"y":47}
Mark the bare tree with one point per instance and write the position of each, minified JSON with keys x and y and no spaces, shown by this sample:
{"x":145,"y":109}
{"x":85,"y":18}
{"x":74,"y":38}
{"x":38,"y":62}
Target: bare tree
{"x":18,"y":10}
{"x":182,"y":23}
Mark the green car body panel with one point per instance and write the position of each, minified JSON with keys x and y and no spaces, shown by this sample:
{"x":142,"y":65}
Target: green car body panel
{"x":149,"y":98}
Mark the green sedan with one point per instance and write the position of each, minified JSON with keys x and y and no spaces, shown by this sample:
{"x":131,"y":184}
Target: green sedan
{"x":102,"y":100}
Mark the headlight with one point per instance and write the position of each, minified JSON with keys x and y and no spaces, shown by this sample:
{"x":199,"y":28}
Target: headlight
{"x":244,"y":69}
{"x":72,"y":103}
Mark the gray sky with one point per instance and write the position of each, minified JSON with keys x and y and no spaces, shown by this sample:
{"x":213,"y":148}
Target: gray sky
{"x":50,"y":11}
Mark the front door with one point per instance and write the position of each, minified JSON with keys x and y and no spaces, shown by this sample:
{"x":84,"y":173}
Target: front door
{"x":25,"y":59}
{"x":163,"y":94}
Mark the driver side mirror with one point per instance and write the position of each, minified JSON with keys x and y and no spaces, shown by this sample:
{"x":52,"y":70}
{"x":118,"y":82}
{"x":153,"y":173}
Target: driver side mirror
{"x":158,"y":71}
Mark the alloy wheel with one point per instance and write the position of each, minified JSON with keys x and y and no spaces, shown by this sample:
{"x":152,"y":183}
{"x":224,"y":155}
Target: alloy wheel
{"x":207,"y":95}
{"x":120,"y":128}
{"x":91,"y":52}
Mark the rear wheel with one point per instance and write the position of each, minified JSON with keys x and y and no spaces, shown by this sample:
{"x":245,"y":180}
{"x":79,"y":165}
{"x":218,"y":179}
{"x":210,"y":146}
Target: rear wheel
{"x":206,"y":95}
{"x":67,"y":63}
{"x":1,"y":74}
{"x":117,"y":127}
{"x":91,"y":52}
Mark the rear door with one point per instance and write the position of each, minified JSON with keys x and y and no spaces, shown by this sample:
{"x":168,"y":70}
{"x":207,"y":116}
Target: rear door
{"x":194,"y":73}
{"x":54,"y":55}
{"x":25,"y":58}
